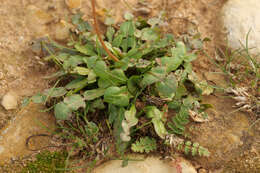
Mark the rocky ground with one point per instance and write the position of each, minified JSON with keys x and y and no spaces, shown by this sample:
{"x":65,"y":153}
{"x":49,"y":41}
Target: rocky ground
{"x":233,"y":146}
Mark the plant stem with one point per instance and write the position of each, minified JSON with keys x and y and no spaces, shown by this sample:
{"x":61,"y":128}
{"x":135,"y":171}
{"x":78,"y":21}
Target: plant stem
{"x":142,"y":126}
{"x":99,"y":35}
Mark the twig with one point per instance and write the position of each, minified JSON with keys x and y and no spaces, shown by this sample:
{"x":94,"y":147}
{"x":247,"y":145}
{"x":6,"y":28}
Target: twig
{"x":98,"y":33}
{"x":42,"y":148}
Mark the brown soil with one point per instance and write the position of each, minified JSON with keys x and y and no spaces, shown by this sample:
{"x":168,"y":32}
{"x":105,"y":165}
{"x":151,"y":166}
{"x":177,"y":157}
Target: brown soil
{"x":233,"y":145}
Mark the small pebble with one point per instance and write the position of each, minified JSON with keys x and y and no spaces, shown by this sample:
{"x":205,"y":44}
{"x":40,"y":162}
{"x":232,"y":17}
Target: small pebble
{"x":202,"y":171}
{"x":9,"y":101}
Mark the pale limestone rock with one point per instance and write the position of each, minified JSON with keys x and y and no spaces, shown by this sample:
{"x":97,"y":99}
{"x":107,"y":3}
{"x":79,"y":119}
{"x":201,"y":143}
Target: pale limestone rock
{"x":38,"y":15}
{"x":24,"y":124}
{"x":239,"y":16}
{"x":62,"y":30}
{"x":9,"y":101}
{"x":73,"y":4}
{"x":37,"y":19}
{"x":149,"y":165}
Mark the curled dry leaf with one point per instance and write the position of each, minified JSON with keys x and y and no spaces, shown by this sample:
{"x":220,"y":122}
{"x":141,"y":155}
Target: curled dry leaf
{"x":244,"y":100}
{"x":129,"y":121}
{"x":173,"y":140}
{"x":197,"y":117}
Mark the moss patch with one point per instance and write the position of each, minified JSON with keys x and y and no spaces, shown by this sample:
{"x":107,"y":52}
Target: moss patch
{"x":47,"y":162}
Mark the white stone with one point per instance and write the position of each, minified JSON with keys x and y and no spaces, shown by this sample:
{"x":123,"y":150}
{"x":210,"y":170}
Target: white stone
{"x":239,"y":17}
{"x":9,"y":101}
{"x":72,"y":4}
{"x":1,"y":149}
{"x":149,"y":165}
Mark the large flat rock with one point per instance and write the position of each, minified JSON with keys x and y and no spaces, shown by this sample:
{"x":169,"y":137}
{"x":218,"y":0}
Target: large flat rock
{"x":29,"y":121}
{"x":240,"y":17}
{"x":149,"y":165}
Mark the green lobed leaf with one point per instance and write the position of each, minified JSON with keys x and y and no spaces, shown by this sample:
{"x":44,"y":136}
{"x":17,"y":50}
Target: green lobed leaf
{"x":56,"y":92}
{"x":77,"y":83}
{"x":181,"y":91}
{"x":128,"y":43}
{"x":174,"y":105}
{"x":174,"y":129}
{"x":102,"y":71}
{"x":115,"y":77}
{"x":179,"y":51}
{"x":186,"y":150}
{"x":188,"y":67}
{"x":133,"y":84}
{"x":80,"y":23}
{"x":154,"y":75}
{"x":93,"y":94}
{"x":145,"y":144}
{"x":127,"y":28}
{"x":92,"y":77}
{"x":149,"y":34}
{"x":153,"y":112}
{"x":81,"y":71}
{"x":179,"y":124}
{"x":119,"y":76}
{"x":124,"y":44}
{"x":128,"y":16}
{"x":128,"y":123}
{"x":179,"y":121}
{"x":201,"y":86}
{"x":131,"y":42}
{"x":63,"y":56}
{"x":188,"y":102}
{"x":86,"y":50}
{"x":113,"y":113}
{"x":116,"y":51}
{"x":73,"y":61}
{"x":102,"y":83}
{"x":74,"y":102}
{"x":134,"y":53}
{"x":110,"y":33}
{"x":125,"y":63}
{"x":91,"y":61}
{"x":39,"y":98}
{"x":203,"y":151}
{"x":142,"y":63}
{"x":25,"y":102}
{"x":130,"y":116}
{"x":171,"y":63}
{"x":117,"y":95}
{"x":62,"y":111}
{"x":117,"y":40}
{"x":167,"y":87}
{"x":157,"y":120}
{"x":159,"y":128}
{"x":164,"y":42}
